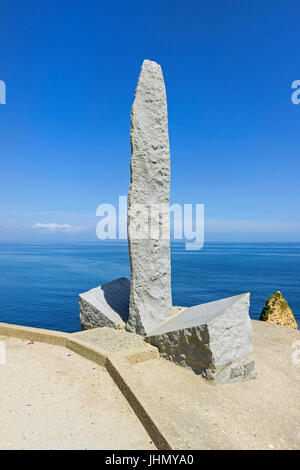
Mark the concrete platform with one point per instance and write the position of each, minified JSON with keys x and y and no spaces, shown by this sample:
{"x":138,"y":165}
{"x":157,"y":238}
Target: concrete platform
{"x":107,"y":390}
{"x":263,"y":413}
{"x":52,"y":398}
{"x":111,"y":339}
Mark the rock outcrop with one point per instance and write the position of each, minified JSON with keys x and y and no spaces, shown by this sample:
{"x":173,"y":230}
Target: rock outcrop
{"x":149,"y":192}
{"x":277,"y":310}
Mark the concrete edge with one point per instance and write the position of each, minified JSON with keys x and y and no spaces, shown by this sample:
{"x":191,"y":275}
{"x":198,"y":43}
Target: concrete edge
{"x":140,"y":354}
{"x":128,"y":383}
{"x":57,"y":338}
{"x":87,"y":350}
{"x":120,"y":368}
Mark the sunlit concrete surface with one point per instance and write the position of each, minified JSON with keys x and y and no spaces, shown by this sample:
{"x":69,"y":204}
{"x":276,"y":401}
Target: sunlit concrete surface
{"x":260,"y":413}
{"x":52,"y":398}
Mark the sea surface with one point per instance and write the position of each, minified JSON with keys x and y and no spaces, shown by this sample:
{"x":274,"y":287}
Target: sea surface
{"x":40,"y":283}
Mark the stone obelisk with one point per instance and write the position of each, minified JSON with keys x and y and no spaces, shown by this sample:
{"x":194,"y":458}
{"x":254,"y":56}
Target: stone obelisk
{"x":148,"y":204}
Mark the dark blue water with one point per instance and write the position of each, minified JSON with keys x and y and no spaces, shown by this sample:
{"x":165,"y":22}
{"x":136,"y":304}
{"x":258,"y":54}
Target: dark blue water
{"x":40,"y":283}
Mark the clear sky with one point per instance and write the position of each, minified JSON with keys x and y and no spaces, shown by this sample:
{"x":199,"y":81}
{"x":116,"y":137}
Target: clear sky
{"x":71,"y":68}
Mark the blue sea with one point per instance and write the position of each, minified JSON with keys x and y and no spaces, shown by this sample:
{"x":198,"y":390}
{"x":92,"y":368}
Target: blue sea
{"x":40,"y":283}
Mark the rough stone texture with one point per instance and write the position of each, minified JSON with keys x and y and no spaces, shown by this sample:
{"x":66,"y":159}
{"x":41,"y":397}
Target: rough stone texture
{"x":277,"y":310}
{"x":106,"y":305}
{"x":150,"y":293}
{"x":111,"y":340}
{"x":213,"y":339}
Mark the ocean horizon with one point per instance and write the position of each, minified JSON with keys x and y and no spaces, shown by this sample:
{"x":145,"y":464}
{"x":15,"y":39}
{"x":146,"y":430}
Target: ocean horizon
{"x":40,"y":282}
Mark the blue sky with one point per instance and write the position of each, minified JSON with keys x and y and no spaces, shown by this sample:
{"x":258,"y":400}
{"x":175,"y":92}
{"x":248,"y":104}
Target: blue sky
{"x":71,"y":69}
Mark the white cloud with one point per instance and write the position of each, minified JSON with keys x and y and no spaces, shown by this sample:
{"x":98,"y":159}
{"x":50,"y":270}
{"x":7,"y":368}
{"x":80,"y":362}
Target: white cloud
{"x":52,"y":227}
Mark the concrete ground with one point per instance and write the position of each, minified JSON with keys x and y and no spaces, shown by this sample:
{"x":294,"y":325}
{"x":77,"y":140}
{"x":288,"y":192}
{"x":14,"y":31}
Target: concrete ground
{"x":52,"y":398}
{"x":262,"y":413}
{"x":110,"y":339}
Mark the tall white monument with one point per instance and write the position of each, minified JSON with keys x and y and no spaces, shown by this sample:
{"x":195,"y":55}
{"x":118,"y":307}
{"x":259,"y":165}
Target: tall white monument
{"x":148,"y":204}
{"x":212,"y":339}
